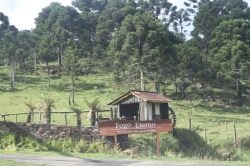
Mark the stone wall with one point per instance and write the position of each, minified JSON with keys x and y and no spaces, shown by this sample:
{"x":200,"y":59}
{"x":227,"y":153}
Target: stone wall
{"x":51,"y":131}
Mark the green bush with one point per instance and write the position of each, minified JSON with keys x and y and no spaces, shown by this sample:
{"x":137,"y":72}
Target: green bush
{"x":244,"y":143}
{"x":183,"y":143}
{"x":192,"y":144}
{"x":10,"y":142}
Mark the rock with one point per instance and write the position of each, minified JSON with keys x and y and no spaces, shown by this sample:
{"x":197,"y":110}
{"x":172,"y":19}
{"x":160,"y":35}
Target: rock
{"x":62,"y":134}
{"x":44,"y":135}
{"x":96,"y":131}
{"x":138,"y":151}
{"x":85,"y":137}
{"x":82,"y":129}
{"x":76,"y":136}
{"x":40,"y":130}
{"x":53,"y":127}
{"x":226,"y":154}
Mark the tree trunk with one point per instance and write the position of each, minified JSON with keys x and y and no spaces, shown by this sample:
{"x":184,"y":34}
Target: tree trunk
{"x":142,"y":79}
{"x":79,"y":121}
{"x":12,"y":76}
{"x":73,"y":90}
{"x":48,"y":116}
{"x":60,"y":54}
{"x":175,"y":83}
{"x":239,"y":89}
{"x":25,"y":75}
{"x":28,"y":118}
{"x":182,"y":88}
{"x":93,"y":118}
{"x":157,"y":84}
{"x":140,"y":66}
{"x":48,"y":73}
{"x":35,"y":59}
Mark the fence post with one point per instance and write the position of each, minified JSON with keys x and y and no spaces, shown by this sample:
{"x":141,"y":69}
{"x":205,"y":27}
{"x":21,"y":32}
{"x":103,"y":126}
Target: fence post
{"x":40,"y":117}
{"x":65,"y":119}
{"x":205,"y":135}
{"x":226,"y":130}
{"x":235,"y":141}
{"x":3,"y":116}
{"x":189,"y":123}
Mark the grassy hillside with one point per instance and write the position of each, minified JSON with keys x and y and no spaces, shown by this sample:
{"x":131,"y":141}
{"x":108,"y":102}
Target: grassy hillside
{"x":207,"y":108}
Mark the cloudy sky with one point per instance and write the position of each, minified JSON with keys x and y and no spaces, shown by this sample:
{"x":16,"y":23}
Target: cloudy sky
{"x":21,"y":13}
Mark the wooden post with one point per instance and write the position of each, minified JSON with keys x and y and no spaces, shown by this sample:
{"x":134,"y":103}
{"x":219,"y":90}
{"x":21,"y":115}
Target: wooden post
{"x":4,"y":117}
{"x":115,"y":138}
{"x":158,"y":144}
{"x":100,"y":117}
{"x":65,"y":119}
{"x":16,"y":117}
{"x":40,"y":117}
{"x":96,"y":115}
{"x":205,"y":135}
{"x":235,"y":141}
{"x":226,"y":130}
{"x":189,"y":123}
{"x":111,"y":113}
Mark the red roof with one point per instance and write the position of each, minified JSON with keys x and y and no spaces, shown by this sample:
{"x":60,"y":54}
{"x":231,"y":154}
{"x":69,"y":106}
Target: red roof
{"x":144,"y":95}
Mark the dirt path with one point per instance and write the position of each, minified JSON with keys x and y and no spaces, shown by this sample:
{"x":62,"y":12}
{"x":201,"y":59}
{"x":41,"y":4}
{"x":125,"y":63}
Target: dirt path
{"x":73,"y":161}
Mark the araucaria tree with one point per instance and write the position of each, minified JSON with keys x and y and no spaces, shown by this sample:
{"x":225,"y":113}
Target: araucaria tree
{"x":70,"y":65}
{"x":231,"y":51}
{"x":141,"y":41}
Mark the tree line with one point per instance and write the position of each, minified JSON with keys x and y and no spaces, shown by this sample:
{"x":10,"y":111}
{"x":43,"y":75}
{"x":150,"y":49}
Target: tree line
{"x":137,"y":41}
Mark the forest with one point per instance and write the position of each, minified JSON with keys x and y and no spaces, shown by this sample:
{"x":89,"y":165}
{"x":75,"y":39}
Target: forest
{"x":138,"y":42}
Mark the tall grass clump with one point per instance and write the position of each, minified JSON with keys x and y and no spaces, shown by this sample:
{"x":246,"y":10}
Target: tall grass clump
{"x":67,"y":145}
{"x":182,"y":143}
{"x":192,"y":145}
{"x":11,"y":142}
{"x":98,"y":146}
{"x":7,"y":141}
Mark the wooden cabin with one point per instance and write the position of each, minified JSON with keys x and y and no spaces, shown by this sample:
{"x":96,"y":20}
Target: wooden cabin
{"x":141,"y":105}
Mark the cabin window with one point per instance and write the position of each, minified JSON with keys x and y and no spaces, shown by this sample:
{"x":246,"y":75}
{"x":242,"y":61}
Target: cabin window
{"x":129,"y":111}
{"x":153,"y":111}
{"x":157,"y":108}
{"x":149,"y":108}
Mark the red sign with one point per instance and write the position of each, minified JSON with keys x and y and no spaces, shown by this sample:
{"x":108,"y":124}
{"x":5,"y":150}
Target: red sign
{"x":118,"y":127}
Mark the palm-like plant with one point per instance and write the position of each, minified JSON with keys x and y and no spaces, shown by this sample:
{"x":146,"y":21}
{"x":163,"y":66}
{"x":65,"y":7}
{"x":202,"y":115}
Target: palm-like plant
{"x":93,"y":108}
{"x":31,"y":107}
{"x":78,"y":112}
{"x":48,"y":103}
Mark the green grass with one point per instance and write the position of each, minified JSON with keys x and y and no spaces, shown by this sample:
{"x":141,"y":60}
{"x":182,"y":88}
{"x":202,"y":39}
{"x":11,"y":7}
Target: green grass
{"x":211,"y":116}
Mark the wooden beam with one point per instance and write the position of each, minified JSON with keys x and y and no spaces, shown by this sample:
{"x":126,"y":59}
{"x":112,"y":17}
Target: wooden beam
{"x":158,"y":144}
{"x":115,"y":138}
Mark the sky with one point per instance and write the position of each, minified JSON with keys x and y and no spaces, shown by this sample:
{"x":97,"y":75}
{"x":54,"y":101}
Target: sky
{"x":22,"y":13}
